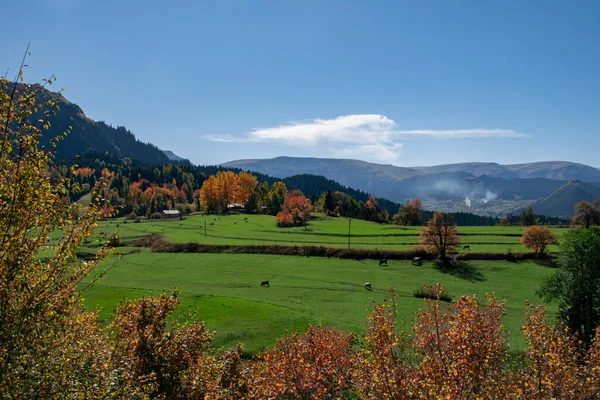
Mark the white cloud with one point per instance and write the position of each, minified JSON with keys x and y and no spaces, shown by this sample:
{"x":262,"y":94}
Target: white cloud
{"x":227,"y":139}
{"x":363,"y":136}
{"x":463,"y":133}
{"x":359,"y":129}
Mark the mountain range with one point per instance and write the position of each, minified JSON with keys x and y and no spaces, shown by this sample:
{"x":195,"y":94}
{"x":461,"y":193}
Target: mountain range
{"x":517,"y":184}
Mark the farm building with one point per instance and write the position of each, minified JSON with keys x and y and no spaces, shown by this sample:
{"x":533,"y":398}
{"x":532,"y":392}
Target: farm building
{"x":170,"y":214}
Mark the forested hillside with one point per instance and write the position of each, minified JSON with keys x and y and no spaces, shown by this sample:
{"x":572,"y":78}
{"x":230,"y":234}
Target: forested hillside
{"x":87,"y":134}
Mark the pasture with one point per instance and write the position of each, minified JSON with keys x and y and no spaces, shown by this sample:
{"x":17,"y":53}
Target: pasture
{"x":323,"y":231}
{"x":224,"y":289}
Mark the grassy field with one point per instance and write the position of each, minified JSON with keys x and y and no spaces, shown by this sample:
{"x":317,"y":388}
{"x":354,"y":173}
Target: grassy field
{"x":224,"y":289}
{"x":325,"y":231}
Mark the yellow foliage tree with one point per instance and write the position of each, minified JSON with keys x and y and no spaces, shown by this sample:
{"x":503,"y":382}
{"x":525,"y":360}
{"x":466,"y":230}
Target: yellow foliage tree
{"x":247,"y":187}
{"x":47,"y":341}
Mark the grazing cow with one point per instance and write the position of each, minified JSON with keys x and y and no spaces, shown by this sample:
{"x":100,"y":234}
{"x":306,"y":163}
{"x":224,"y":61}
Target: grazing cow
{"x":467,"y":247}
{"x":367,"y":286}
{"x":212,"y":224}
{"x":417,"y":261}
{"x":234,"y":222}
{"x":383,"y":261}
{"x":246,"y":219}
{"x":265,"y":283}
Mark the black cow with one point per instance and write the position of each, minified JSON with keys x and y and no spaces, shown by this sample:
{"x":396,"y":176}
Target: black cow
{"x":467,"y":247}
{"x":383,"y":261}
{"x":265,"y":283}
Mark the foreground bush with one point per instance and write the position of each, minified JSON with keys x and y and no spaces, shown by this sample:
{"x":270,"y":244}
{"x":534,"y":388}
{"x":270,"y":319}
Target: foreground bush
{"x":430,"y":292}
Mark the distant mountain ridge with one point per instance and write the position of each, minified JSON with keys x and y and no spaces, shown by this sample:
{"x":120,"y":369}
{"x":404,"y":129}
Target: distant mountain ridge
{"x":458,"y":182}
{"x":557,"y":170}
{"x":444,"y":181}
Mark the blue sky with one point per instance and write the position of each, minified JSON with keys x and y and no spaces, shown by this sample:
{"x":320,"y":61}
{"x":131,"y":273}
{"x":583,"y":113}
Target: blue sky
{"x":398,"y":82}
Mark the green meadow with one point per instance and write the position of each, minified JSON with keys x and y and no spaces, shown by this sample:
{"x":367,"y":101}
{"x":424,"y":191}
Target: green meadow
{"x":323,"y":231}
{"x":224,"y":289}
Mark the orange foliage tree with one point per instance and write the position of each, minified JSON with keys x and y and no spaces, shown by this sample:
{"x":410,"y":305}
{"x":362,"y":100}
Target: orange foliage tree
{"x":226,"y":188}
{"x":538,"y":238}
{"x":317,"y":365}
{"x":247,"y":187}
{"x":296,"y":210}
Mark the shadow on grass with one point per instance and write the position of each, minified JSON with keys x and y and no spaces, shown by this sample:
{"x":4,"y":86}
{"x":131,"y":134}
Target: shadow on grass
{"x":545,"y":261}
{"x":460,"y":269}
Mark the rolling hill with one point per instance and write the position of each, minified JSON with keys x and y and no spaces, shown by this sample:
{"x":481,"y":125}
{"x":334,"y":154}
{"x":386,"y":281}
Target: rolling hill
{"x":561,"y":202}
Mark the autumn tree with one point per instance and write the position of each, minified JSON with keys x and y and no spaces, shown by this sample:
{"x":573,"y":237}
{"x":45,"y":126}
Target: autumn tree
{"x":228,"y":189}
{"x":538,"y":238}
{"x":440,"y":234}
{"x":317,"y":365}
{"x":587,"y":213}
{"x":171,"y":363}
{"x":461,"y":349}
{"x":49,"y":346}
{"x":576,"y":285}
{"x":409,"y":214}
{"x":528,"y":217}
{"x":296,"y":210}
{"x":372,"y":212}
{"x":276,"y":197}
{"x":553,"y":362}
{"x":247,"y":187}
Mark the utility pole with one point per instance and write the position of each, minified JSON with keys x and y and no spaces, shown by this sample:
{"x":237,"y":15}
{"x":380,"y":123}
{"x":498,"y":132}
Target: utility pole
{"x":349,"y":226}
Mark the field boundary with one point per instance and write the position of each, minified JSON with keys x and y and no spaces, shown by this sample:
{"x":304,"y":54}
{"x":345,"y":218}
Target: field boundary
{"x":158,"y":244}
